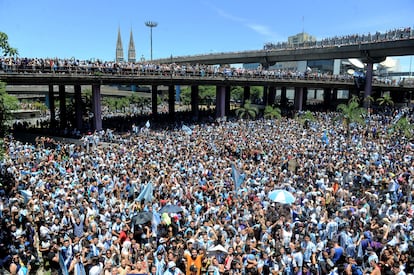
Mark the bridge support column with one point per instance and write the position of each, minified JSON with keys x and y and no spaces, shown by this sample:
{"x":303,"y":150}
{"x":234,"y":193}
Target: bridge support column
{"x":154,"y":103}
{"x":194,"y":102}
{"x":62,"y":107}
{"x":283,"y":97}
{"x":171,"y":101}
{"x":272,"y":95}
{"x":51,"y":99}
{"x":246,"y":94}
{"x":96,"y":107}
{"x":305,"y":97}
{"x":265,"y":95}
{"x":220,"y":101}
{"x":298,"y":101}
{"x":78,"y":107}
{"x":227,"y":101}
{"x":327,"y":98}
{"x":335,"y":94}
{"x":368,"y":82}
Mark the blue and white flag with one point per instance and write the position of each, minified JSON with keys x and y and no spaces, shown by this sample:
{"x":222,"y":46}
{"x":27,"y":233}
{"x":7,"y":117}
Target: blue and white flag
{"x":62,"y":265}
{"x":237,"y":177}
{"x":187,"y":130}
{"x":27,"y":194}
{"x":325,"y":137}
{"x":146,"y":193}
{"x":147,"y":124}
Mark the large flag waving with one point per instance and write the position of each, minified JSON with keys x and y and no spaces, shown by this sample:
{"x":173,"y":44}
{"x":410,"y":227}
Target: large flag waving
{"x":146,"y":193}
{"x":187,"y":129}
{"x":237,"y":177}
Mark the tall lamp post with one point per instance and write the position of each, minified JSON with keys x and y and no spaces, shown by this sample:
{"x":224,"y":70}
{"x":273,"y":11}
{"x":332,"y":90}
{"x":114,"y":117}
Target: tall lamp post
{"x":151,"y":24}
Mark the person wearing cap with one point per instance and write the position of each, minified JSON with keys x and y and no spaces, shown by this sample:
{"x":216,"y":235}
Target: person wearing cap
{"x":172,"y":269}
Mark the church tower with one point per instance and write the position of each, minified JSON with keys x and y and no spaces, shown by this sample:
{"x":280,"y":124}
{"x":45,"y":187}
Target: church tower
{"x":119,"y":49}
{"x":131,"y":49}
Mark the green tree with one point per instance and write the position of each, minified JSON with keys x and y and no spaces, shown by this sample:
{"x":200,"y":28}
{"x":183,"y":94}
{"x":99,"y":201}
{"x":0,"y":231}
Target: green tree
{"x":305,"y":118}
{"x":351,"y":113}
{"x":8,"y":103}
{"x":368,"y":100}
{"x":109,"y":102}
{"x":272,"y":112}
{"x":237,"y":93}
{"x":256,"y":93}
{"x":247,"y":111}
{"x":403,"y":127}
{"x":5,"y":48}
{"x":385,"y":101}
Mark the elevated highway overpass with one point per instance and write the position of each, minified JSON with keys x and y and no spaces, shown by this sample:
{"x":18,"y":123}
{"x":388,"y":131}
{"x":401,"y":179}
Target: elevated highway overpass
{"x":368,"y":52}
{"x":73,"y":82}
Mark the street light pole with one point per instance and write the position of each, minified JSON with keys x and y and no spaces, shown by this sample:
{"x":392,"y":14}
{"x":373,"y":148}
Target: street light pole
{"x":151,"y":24}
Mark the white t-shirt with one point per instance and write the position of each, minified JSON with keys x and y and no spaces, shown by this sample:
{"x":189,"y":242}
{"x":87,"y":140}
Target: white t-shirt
{"x":96,"y":269}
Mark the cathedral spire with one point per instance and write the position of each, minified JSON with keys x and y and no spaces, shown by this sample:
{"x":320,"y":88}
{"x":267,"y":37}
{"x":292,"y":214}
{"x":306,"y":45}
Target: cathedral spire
{"x":119,"y":49}
{"x":131,"y":49}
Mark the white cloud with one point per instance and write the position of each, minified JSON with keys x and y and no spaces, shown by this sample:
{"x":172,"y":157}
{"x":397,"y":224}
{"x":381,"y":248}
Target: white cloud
{"x":224,"y":14}
{"x":263,"y":30}
{"x":258,"y":28}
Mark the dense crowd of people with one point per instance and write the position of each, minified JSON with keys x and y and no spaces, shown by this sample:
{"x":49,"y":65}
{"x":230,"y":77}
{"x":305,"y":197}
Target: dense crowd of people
{"x":394,"y":34}
{"x":143,"y":67}
{"x":194,"y":200}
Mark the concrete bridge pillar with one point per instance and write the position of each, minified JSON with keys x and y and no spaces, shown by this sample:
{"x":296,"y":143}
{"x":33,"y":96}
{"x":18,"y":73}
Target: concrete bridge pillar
{"x":327,"y":98}
{"x":220,"y":101}
{"x":368,"y":82}
{"x":154,"y":103}
{"x":171,"y":101}
{"x":78,"y":107}
{"x":62,"y":107}
{"x":335,"y":94}
{"x":298,"y":101}
{"x":305,"y":97}
{"x":283,"y":97}
{"x":265,"y":95}
{"x":246,"y":94}
{"x":96,"y":107}
{"x":272,"y":95}
{"x":51,"y":98}
{"x":227,"y":100}
{"x":194,"y":101}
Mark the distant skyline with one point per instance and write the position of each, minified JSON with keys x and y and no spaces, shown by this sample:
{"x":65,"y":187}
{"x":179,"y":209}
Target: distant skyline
{"x":88,"y":29}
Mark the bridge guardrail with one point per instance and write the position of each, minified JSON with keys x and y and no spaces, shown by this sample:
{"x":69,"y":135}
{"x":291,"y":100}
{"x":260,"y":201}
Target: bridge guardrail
{"x":201,"y":74}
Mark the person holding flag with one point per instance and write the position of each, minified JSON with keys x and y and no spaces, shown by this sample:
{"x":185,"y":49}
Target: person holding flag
{"x":238,"y":178}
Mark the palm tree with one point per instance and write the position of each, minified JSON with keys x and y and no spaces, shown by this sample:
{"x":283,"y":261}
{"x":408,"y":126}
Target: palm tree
{"x":368,"y":100}
{"x":403,"y":127}
{"x":247,"y":111}
{"x":351,"y":113}
{"x":385,"y":101}
{"x":305,"y":118}
{"x":272,"y":112}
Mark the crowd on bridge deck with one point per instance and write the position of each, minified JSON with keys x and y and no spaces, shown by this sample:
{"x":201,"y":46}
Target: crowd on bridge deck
{"x":30,"y":65}
{"x":37,"y":65}
{"x":73,"y":65}
{"x":77,"y":208}
{"x":391,"y":35}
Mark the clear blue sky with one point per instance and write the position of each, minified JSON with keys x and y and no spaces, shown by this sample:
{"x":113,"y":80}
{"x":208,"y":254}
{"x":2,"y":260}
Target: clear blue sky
{"x":88,"y":28}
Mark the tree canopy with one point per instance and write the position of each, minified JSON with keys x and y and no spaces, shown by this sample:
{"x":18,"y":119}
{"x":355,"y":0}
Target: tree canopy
{"x":5,"y":48}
